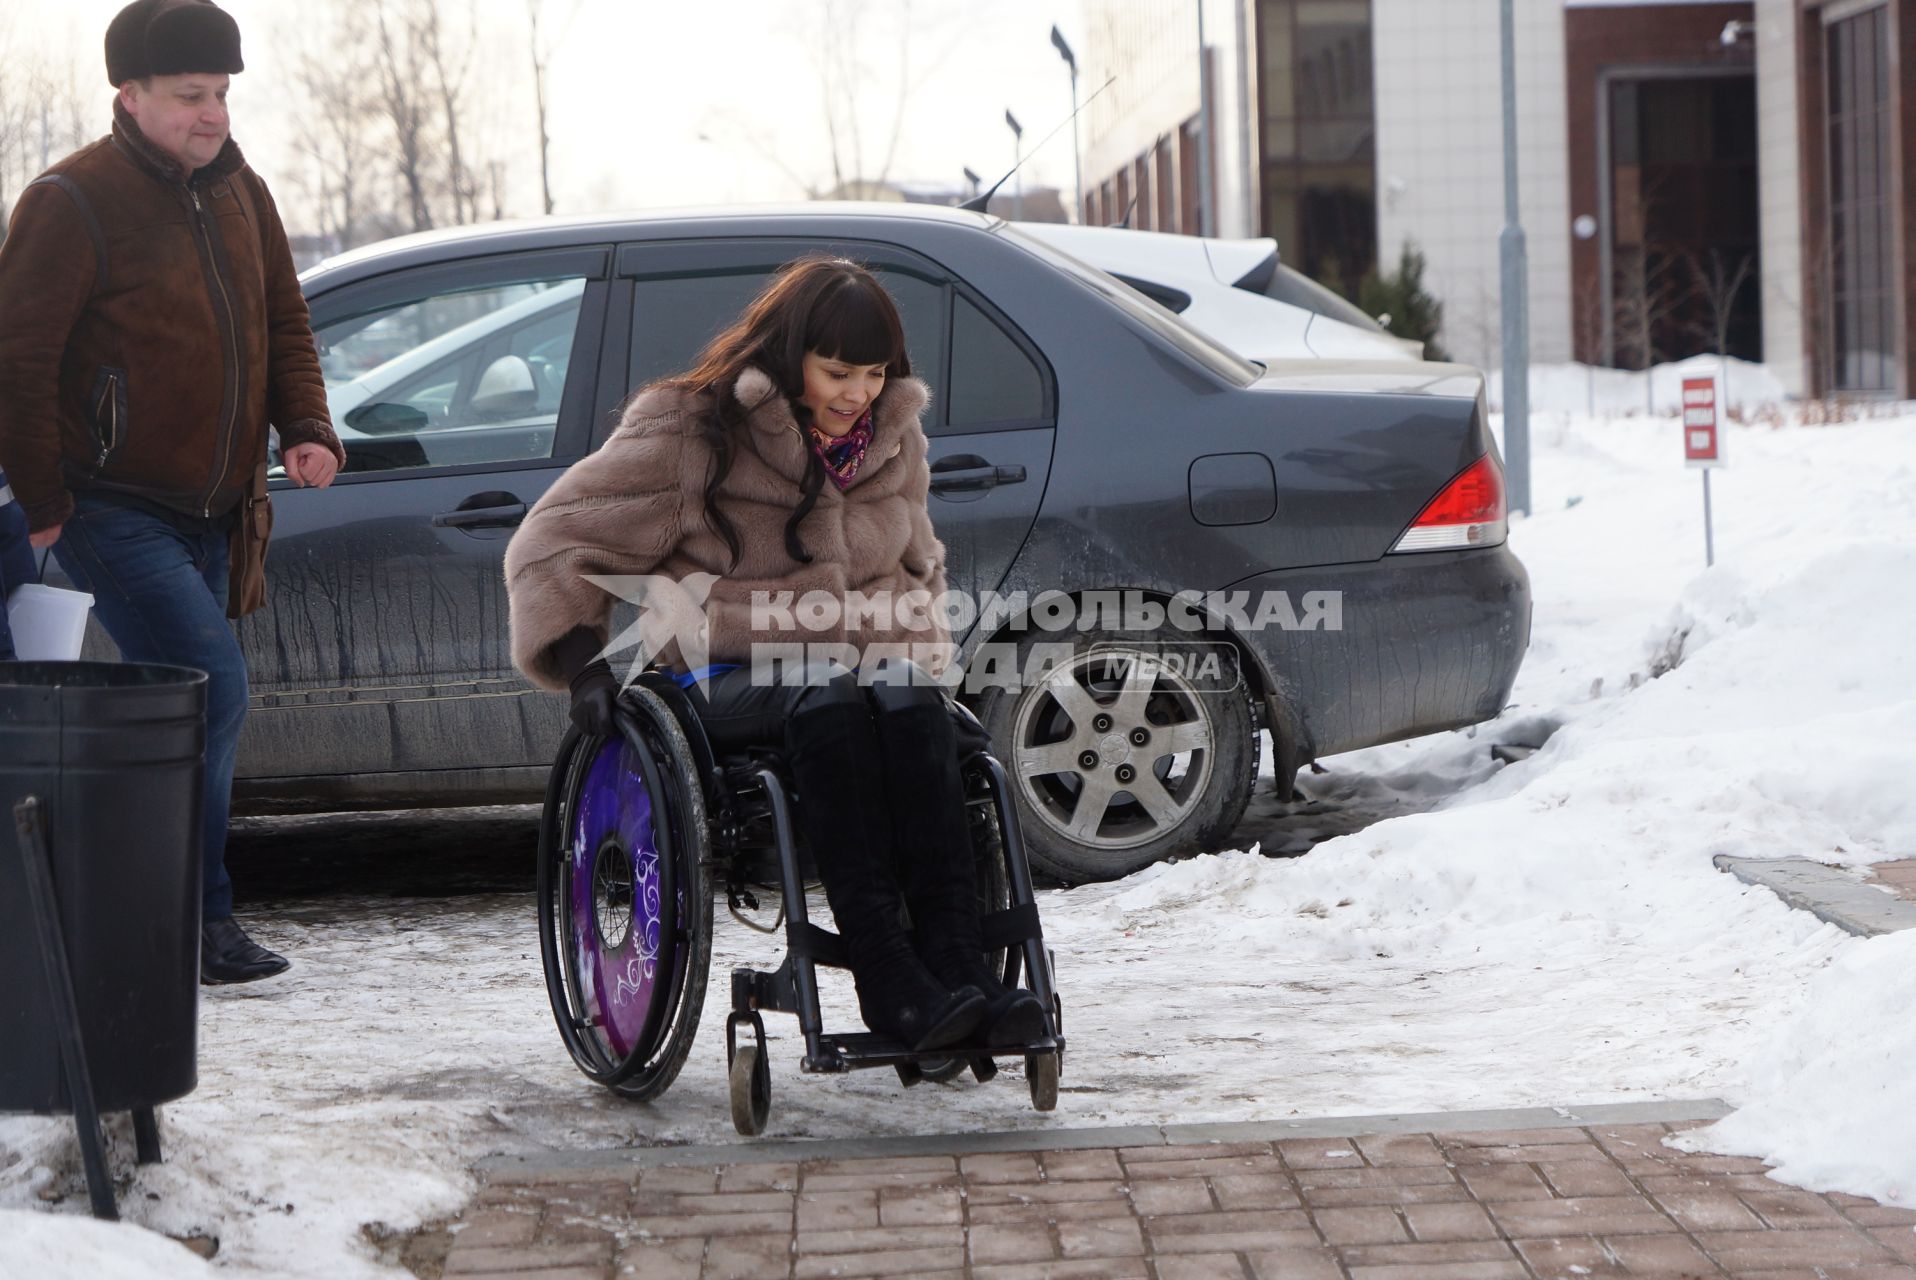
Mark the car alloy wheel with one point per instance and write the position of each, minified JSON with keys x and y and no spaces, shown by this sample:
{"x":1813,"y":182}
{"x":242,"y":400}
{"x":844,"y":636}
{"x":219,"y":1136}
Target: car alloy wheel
{"x":1125,"y":753}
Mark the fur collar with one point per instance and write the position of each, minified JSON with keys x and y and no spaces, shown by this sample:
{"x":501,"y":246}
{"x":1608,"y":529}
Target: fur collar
{"x":134,"y":144}
{"x":781,"y":441}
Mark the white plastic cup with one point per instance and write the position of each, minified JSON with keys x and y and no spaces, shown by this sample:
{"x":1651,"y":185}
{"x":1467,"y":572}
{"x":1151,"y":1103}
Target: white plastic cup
{"x":48,"y":623}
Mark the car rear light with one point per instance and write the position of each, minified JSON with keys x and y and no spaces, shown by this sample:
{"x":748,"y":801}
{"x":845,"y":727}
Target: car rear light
{"x":1467,"y":512}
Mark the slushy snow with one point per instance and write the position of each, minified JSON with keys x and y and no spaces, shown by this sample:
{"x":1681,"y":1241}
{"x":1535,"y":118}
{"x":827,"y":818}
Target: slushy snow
{"x":1549,"y":932}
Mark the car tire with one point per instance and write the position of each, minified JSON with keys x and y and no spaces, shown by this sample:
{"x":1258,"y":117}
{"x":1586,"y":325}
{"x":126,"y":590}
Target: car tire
{"x":1083,"y":730}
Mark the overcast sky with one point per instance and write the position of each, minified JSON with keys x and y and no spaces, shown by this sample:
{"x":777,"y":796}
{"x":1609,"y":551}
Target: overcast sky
{"x":664,"y":102}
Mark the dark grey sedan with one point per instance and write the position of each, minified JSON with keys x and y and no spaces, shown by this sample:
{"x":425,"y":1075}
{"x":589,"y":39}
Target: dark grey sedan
{"x":1177,"y":550}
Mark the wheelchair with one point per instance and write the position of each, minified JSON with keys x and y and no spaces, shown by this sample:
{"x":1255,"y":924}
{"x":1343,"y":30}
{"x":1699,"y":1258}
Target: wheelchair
{"x":641,"y":831}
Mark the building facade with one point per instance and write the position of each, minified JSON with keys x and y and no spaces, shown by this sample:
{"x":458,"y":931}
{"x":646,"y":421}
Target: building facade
{"x":1694,"y":175}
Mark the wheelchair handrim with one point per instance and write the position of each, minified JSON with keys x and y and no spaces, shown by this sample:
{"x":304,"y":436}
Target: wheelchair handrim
{"x":613,"y":843}
{"x":634,"y":1072}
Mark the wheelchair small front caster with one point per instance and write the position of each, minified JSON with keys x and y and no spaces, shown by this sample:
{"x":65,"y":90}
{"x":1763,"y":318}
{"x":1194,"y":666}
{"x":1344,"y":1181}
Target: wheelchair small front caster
{"x":750,"y":1076}
{"x":1041,"y":1073}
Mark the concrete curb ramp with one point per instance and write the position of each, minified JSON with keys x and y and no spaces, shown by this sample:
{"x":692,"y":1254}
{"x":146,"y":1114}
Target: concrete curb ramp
{"x":963,"y":1144}
{"x":1825,"y":892}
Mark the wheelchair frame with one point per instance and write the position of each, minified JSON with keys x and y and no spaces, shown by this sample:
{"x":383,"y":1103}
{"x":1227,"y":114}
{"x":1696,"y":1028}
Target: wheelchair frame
{"x":713,"y":826}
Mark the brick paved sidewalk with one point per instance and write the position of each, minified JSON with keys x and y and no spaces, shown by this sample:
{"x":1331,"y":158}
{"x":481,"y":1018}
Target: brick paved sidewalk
{"x":1565,"y":1198}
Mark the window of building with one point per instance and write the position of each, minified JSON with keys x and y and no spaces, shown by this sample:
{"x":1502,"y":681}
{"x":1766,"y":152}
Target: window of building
{"x":1318,"y":136}
{"x":1862,"y":338}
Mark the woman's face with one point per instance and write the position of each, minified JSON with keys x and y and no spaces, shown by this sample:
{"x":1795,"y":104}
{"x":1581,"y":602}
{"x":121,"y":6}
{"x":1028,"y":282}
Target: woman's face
{"x":838,"y":392}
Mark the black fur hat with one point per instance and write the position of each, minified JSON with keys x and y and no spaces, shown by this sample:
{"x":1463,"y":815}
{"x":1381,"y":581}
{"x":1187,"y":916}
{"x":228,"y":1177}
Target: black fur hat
{"x":170,"y":38}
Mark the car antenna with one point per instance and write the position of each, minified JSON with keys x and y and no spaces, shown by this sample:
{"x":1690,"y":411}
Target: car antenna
{"x":977,"y":204}
{"x":1125,"y":221}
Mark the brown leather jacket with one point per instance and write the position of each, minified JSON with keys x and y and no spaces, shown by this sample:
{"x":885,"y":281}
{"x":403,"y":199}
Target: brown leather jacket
{"x":151,"y":326}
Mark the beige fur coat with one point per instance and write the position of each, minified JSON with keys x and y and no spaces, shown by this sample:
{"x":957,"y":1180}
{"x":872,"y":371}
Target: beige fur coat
{"x":637,"y":507}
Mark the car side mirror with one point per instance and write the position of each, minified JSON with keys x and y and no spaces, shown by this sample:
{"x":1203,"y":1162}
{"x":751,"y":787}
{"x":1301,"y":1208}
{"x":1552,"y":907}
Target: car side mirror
{"x":382,"y":419}
{"x":506,"y":387}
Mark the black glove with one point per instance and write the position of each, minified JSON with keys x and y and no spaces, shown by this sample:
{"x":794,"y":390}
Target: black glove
{"x":595,"y":693}
{"x":971,"y":735}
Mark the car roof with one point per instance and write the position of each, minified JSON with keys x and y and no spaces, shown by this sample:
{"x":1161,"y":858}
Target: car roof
{"x":558,"y":232}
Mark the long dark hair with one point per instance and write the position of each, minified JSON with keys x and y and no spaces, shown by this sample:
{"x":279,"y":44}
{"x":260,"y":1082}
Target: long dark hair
{"x":829,"y":305}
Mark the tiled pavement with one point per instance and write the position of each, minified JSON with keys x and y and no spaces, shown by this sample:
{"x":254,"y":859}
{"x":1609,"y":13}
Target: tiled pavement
{"x":1567,"y":1198}
{"x":1898,"y":877}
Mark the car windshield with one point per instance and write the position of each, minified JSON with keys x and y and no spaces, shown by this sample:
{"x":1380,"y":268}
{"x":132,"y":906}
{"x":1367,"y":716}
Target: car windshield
{"x":1199,"y":346}
{"x":1289,"y":285}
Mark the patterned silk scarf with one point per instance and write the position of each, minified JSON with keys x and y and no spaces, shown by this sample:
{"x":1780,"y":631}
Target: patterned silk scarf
{"x":842,"y":455}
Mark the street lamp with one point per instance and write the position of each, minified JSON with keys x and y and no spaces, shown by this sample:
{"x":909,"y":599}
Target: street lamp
{"x":972,"y":178}
{"x":1077,"y":169}
{"x":1017,"y":158}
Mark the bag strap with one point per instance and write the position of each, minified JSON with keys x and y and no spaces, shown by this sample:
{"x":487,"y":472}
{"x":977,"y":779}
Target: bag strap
{"x":101,"y":276}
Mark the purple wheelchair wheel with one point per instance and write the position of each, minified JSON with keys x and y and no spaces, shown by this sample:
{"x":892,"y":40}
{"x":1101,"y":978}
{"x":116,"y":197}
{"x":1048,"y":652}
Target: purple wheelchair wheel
{"x":624,"y":906}
{"x":613,"y":874}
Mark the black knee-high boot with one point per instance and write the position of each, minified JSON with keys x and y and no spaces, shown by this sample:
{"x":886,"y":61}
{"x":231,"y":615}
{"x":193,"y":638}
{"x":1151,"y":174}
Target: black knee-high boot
{"x":931,"y":833}
{"x":836,"y":763}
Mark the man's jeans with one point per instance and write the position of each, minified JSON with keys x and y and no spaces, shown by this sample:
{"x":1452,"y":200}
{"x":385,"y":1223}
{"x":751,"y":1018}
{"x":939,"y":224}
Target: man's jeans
{"x":16,"y":563}
{"x":161,"y":594}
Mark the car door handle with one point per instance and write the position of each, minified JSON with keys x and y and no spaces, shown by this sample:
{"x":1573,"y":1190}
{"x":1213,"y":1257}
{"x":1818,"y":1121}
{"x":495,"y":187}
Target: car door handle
{"x":971,"y":479}
{"x":500,"y":517}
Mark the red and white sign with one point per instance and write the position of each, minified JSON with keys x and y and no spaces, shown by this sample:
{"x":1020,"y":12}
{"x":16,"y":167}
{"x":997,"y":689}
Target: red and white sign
{"x":1702,"y":445}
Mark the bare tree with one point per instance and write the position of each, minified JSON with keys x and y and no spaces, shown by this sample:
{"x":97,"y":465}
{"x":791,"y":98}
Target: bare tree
{"x":401,"y":68}
{"x":450,"y":67}
{"x":1647,"y":292}
{"x":541,"y":63}
{"x":1716,"y":283}
{"x":43,"y":112}
{"x":336,"y":71}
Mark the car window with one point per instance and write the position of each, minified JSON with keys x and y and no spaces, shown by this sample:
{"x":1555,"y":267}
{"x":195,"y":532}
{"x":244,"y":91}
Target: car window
{"x":455,"y":378}
{"x":1298,"y":289}
{"x":992,"y":379}
{"x":1198,"y":346}
{"x":673,"y":318}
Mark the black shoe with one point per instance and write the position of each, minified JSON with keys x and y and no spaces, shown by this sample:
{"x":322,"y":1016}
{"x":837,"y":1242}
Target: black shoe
{"x":933,"y":835}
{"x":228,"y":955}
{"x":849,"y":831}
{"x":1012,"y":1017}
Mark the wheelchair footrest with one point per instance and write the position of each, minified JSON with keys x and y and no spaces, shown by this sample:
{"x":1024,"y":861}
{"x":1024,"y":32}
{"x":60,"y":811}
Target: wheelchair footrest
{"x":860,"y":1049}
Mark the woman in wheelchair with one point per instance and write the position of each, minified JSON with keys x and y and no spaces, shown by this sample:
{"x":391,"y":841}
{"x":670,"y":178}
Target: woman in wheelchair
{"x":790,"y":460}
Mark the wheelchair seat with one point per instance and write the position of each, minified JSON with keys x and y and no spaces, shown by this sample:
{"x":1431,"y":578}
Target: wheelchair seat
{"x":639,"y":834}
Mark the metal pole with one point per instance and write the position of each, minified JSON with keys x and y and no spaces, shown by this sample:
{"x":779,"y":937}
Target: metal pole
{"x":1516,"y":292}
{"x":1017,"y":166}
{"x":1205,"y":214}
{"x":43,"y":904}
{"x":1077,"y":161}
{"x":1709,"y":537}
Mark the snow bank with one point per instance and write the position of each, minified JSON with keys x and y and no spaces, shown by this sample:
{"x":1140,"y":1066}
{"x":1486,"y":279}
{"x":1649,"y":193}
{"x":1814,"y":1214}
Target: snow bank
{"x":1587,"y":389}
{"x":38,"y":1245}
{"x":1832,"y":1100}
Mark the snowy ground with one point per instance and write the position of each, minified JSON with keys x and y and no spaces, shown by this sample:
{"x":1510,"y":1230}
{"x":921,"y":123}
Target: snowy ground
{"x":1548,"y":932}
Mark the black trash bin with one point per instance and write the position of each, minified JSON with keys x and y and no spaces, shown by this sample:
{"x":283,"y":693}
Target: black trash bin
{"x":116,"y":754}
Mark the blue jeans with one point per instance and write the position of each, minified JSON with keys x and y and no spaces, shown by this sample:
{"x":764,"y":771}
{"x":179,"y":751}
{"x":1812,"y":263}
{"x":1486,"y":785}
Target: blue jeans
{"x":16,"y":566}
{"x":160,"y":592}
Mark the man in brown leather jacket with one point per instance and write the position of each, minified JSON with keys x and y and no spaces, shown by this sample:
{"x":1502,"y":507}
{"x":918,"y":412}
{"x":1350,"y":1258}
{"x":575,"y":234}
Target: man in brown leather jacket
{"x":151,"y":330}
